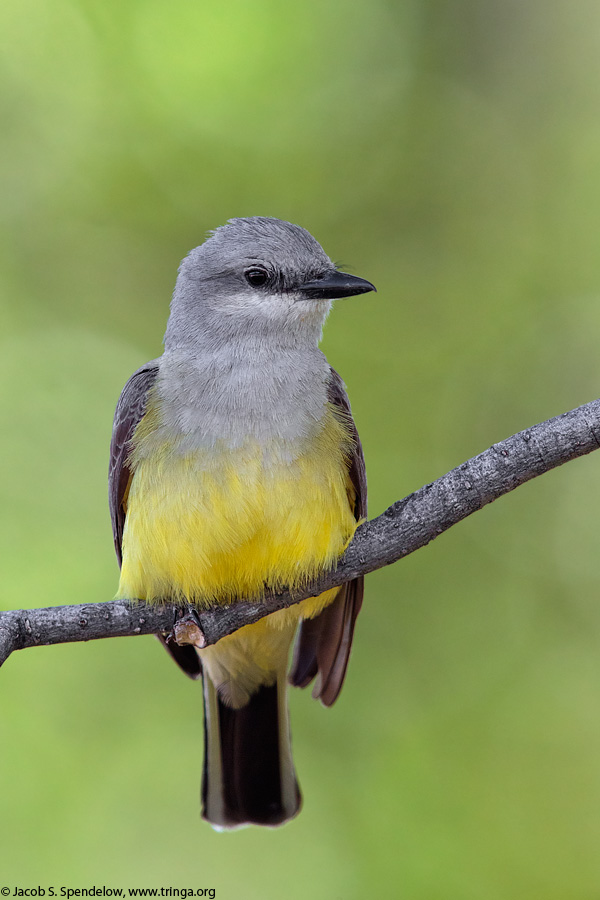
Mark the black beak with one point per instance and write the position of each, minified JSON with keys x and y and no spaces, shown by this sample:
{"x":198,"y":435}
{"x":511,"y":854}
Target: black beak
{"x":334,"y":285}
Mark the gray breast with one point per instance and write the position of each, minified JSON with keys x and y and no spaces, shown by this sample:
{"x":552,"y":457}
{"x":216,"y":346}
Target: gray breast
{"x":229,"y":398}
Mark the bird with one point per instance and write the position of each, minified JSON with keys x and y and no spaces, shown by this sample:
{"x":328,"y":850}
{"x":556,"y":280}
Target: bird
{"x":236,"y":468}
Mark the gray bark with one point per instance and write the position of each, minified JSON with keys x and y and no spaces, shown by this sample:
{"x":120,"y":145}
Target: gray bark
{"x":404,"y":527}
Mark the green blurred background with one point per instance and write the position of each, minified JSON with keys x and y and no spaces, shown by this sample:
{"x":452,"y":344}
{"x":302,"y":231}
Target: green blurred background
{"x":450,"y":152}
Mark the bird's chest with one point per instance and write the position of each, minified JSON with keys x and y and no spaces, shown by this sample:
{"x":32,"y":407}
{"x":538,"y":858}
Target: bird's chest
{"x":219,"y":522}
{"x":238,"y":396}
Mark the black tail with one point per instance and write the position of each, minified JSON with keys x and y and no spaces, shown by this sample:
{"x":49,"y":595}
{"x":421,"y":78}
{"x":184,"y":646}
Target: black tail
{"x":248,"y":775}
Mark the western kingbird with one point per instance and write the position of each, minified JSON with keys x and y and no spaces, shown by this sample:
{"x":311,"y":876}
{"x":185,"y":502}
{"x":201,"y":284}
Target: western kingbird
{"x":236,"y":467}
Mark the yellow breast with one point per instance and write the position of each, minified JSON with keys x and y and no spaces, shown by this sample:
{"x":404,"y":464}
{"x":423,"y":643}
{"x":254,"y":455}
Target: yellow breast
{"x":222,"y":524}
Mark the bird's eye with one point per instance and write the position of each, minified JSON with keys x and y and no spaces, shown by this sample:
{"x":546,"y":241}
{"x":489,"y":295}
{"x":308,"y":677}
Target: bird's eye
{"x":256,"y":276}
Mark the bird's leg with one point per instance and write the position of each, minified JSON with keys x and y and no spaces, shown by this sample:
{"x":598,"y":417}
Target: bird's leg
{"x":182,"y":640}
{"x":187,"y":628}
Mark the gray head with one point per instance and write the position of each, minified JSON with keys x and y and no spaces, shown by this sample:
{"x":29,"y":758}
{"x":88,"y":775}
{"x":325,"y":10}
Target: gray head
{"x":259,"y":279}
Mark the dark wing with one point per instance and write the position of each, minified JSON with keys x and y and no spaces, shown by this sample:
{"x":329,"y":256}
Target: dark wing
{"x":130,"y":409}
{"x":323,"y":643}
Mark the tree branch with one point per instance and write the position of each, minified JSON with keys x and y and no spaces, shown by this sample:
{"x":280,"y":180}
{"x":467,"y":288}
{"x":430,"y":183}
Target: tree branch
{"x":403,"y":528}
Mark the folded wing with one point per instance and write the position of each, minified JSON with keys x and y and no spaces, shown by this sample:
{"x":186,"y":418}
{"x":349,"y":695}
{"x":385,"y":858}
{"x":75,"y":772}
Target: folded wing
{"x":323,"y":643}
{"x":130,"y":409}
